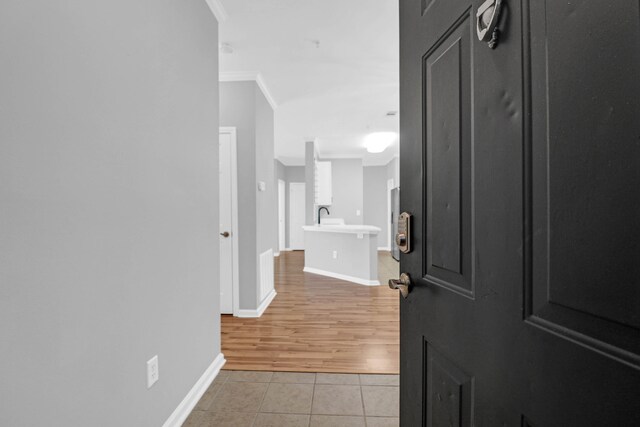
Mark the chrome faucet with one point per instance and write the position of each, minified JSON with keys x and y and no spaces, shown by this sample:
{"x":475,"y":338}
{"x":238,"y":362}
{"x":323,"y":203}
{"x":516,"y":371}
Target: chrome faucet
{"x":320,"y":210}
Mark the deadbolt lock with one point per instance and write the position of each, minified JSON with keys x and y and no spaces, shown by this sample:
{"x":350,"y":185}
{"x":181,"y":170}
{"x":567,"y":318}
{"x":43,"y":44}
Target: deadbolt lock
{"x":403,"y":236}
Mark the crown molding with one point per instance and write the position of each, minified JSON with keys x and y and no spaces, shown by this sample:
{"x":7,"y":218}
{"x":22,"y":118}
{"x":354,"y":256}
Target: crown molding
{"x":218,"y":10}
{"x":250,"y":76}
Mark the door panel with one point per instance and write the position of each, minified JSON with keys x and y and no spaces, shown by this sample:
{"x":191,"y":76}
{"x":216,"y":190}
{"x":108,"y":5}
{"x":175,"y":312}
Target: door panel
{"x":521,"y":166}
{"x":447,"y":73}
{"x":281,"y":216}
{"x":450,"y":392}
{"x":585,"y":180}
{"x":226,"y":224}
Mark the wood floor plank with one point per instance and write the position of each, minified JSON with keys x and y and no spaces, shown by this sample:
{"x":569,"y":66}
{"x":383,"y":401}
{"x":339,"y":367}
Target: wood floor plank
{"x":319,"y":324}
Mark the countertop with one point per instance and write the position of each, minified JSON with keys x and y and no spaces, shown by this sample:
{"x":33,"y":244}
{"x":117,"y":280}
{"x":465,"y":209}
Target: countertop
{"x":352,"y":229}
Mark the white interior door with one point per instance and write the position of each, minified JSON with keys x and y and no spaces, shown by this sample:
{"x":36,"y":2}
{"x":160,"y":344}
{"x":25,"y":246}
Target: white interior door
{"x":296,"y":215}
{"x":226,"y":236}
{"x":281,"y":219}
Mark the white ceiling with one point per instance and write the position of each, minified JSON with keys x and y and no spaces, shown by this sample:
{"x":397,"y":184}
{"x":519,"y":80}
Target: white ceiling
{"x":331,"y":66}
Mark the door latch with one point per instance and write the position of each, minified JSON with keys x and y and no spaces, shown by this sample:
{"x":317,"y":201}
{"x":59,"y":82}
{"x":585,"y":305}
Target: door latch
{"x":403,"y":285}
{"x":487,"y":19}
{"x":403,"y":237}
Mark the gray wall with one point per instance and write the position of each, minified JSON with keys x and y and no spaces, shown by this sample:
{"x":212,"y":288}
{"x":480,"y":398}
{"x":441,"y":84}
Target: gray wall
{"x":375,"y":201}
{"x":309,"y":172}
{"x":108,"y":207}
{"x":295,"y":173}
{"x":347,"y":190}
{"x":393,"y":171}
{"x":288,"y":174}
{"x":267,"y":203}
{"x":243,"y":106}
{"x":238,"y":109}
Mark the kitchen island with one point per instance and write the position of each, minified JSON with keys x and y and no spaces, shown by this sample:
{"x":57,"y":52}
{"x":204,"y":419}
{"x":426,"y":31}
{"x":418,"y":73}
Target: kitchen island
{"x":346,"y":252}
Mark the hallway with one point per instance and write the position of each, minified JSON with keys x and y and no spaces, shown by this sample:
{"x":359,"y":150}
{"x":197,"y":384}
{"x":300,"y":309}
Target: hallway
{"x":319,"y":324}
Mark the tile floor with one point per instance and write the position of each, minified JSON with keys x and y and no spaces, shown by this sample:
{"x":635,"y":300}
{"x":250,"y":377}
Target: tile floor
{"x":291,"y":399}
{"x":388,"y":267}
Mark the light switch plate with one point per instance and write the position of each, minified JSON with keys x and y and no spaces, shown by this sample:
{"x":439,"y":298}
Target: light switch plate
{"x":262,"y":186}
{"x":153,"y":373}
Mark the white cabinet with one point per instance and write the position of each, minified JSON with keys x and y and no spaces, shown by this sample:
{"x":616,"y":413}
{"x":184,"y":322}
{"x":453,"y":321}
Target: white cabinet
{"x":323,"y":193}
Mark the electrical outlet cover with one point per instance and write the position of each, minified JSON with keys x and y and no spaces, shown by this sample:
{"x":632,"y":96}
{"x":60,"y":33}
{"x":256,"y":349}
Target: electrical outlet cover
{"x":153,"y":373}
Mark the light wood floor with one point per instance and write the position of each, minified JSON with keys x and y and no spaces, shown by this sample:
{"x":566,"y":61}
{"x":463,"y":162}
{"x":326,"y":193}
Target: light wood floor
{"x":319,"y":324}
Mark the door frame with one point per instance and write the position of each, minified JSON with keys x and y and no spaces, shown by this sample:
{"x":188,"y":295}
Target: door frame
{"x":235,"y":282}
{"x":282,"y":214}
{"x":291,"y":208}
{"x":390,"y":186}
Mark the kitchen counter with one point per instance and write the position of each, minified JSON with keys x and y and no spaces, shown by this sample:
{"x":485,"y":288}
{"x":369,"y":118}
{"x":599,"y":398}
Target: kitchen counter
{"x":353,"y":229}
{"x":346,"y":252}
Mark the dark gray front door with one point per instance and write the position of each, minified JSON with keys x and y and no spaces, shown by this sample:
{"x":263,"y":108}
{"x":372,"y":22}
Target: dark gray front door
{"x":521,"y":166}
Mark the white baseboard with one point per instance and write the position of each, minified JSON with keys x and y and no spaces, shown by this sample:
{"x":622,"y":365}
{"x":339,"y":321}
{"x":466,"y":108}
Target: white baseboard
{"x":261,"y":308}
{"x":190,"y":401}
{"x":384,"y":248}
{"x":342,"y":277}
{"x":286,"y":249}
{"x":276,"y":254}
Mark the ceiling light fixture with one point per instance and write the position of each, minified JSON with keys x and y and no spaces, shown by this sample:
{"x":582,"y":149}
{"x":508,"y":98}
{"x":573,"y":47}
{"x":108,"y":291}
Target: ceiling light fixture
{"x":377,"y":142}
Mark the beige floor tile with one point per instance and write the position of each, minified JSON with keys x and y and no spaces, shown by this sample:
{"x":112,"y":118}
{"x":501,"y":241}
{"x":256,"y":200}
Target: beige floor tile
{"x":337,"y":379}
{"x":250,"y":376}
{"x":336,"y":421}
{"x":239,"y":397}
{"x":381,"y":401}
{"x":288,"y":398}
{"x":194,"y":419}
{"x":379,"y":379}
{"x":293,"y":377}
{"x":337,"y":400}
{"x":382,"y":422}
{"x":221,"y":378}
{"x":281,"y":420}
{"x":223,"y":375}
{"x":227,"y":419}
{"x":208,"y":396}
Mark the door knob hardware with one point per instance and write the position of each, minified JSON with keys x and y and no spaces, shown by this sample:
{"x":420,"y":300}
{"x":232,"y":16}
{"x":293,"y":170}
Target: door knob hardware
{"x":225,"y":234}
{"x":487,"y":18}
{"x":403,"y":284}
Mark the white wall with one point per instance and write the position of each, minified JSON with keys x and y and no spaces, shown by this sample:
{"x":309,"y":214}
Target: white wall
{"x":108,"y":208}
